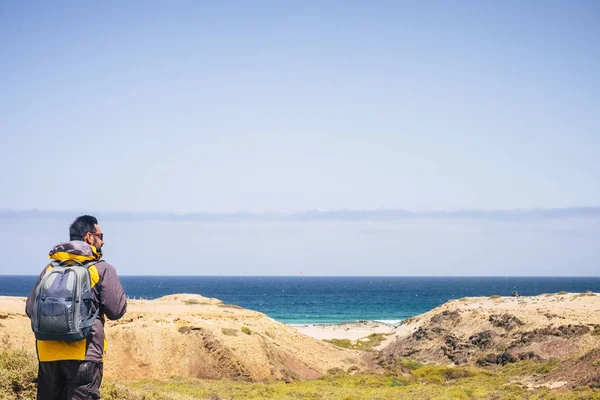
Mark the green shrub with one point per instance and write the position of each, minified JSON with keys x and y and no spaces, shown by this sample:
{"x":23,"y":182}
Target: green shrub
{"x":336,"y":371}
{"x":373,"y":340}
{"x":395,"y":382}
{"x":344,"y":343}
{"x":246,"y":330}
{"x":229,"y":331}
{"x":17,"y":371}
{"x":525,"y":368}
{"x":192,"y":302}
{"x":562,"y":292}
{"x":114,"y":391}
{"x":455,"y":373}
{"x":412,"y":364}
{"x":441,"y":374}
{"x":365,"y":344}
{"x":495,"y":296}
{"x":441,"y":383}
{"x":585,"y":294}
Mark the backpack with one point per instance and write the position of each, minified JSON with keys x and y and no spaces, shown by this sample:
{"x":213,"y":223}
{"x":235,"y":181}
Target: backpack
{"x":65,"y":307}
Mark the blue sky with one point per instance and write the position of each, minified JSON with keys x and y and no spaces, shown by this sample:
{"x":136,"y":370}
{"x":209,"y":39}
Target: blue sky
{"x":274,"y":106}
{"x":260,"y":106}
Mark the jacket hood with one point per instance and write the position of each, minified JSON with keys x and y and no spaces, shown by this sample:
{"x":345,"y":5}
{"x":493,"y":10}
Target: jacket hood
{"x":75,"y":250}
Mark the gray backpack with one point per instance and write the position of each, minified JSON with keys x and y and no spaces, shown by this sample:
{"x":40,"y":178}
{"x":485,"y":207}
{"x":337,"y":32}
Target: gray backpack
{"x":65,"y":307}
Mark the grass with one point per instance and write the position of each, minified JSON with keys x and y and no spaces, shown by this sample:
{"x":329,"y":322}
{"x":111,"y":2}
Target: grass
{"x":423,"y":382}
{"x":246,"y":330}
{"x":365,"y":344}
{"x":427,"y":382}
{"x":231,"y":306}
{"x":269,"y":334}
{"x":411,"y":364}
{"x":17,"y":371}
{"x":584,"y":294}
{"x":229,"y":331}
{"x":527,"y":368}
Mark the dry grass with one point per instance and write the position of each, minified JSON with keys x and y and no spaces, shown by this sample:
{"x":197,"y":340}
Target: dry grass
{"x":365,"y":344}
{"x":231,"y":306}
{"x":246,"y":330}
{"x":269,"y":334}
{"x":17,"y":369}
{"x":585,"y":294}
{"x":229,"y":331}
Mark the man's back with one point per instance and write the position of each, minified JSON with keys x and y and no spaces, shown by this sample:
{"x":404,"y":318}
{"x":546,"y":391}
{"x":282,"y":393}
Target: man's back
{"x":109,"y":293}
{"x":73,"y":370}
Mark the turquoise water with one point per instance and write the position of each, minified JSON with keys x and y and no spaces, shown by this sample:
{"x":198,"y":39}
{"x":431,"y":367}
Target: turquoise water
{"x":320,"y":300}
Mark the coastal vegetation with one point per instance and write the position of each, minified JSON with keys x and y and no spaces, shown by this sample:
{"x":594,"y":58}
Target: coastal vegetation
{"x":416,"y":380}
{"x":246,"y":330}
{"x":365,"y":344}
{"x":230,"y":306}
{"x":229,"y":331}
{"x":542,"y":347}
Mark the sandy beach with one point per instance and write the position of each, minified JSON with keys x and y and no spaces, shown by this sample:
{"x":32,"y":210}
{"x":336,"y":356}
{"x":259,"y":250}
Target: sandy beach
{"x":347,"y":330}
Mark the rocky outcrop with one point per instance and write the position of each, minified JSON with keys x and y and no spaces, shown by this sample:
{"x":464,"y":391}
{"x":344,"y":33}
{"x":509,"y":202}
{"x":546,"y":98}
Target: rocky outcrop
{"x":500,"y":330}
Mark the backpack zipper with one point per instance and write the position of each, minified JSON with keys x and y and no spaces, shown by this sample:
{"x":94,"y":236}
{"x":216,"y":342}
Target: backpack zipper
{"x":76,"y":304}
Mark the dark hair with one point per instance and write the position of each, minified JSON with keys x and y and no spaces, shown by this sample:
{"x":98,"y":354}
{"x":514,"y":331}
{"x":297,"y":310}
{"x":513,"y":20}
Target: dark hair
{"x":81,"y":226}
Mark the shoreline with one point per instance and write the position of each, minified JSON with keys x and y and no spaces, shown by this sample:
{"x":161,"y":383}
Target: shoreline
{"x":355,"y":330}
{"x":345,"y":330}
{"x":393,"y":323}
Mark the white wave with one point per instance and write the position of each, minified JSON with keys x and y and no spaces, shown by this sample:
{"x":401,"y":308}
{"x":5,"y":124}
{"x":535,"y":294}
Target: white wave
{"x":389,"y":321}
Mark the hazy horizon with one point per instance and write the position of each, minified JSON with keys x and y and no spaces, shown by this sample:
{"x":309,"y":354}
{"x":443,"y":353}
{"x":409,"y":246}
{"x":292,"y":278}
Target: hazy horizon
{"x":562,"y":242}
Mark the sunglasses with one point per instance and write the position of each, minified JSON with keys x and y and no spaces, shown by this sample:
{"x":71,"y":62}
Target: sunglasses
{"x":99,"y":235}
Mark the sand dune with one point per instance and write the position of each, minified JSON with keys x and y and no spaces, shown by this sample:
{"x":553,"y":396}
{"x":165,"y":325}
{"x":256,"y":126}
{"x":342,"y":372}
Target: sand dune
{"x":190,"y":335}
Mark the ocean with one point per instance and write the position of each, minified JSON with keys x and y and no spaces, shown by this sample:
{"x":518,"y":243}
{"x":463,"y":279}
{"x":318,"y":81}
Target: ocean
{"x":327,"y":300}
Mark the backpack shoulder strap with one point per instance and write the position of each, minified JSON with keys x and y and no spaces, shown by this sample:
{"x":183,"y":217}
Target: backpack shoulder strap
{"x":68,"y":263}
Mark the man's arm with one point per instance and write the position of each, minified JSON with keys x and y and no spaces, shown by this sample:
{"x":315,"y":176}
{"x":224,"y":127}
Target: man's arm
{"x":112,"y":295}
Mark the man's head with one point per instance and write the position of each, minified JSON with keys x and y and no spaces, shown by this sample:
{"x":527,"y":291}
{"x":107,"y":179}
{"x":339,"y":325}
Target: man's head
{"x":86,"y":228}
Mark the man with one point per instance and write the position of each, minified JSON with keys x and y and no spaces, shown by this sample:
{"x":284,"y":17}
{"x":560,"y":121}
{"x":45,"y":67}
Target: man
{"x":73,"y":370}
